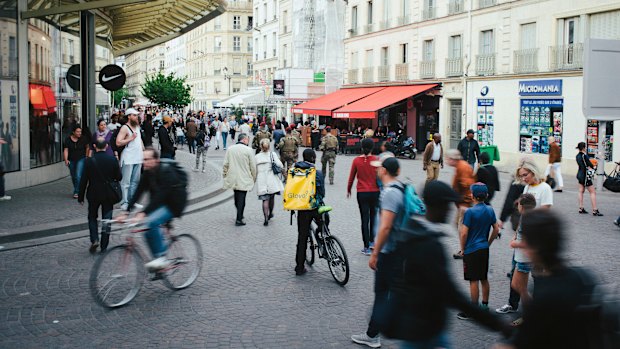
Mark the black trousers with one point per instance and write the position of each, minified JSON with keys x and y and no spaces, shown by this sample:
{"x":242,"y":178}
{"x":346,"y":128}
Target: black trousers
{"x":367,"y":203}
{"x":240,"y":203}
{"x":106,"y":213}
{"x":387,"y":270}
{"x":304,"y":219}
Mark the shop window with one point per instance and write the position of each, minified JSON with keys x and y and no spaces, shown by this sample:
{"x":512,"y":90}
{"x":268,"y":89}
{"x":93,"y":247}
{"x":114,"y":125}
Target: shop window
{"x":9,"y":151}
{"x":539,"y":119}
{"x":593,"y":138}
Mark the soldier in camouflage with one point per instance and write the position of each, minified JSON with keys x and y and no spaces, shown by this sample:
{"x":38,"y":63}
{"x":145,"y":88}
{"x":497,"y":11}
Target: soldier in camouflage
{"x":329,"y":146}
{"x":297,"y":136}
{"x":288,"y":149}
{"x":262,"y":133}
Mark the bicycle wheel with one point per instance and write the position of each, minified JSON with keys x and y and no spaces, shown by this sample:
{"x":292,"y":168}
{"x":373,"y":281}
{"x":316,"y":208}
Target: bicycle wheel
{"x":186,"y":255}
{"x":117,"y":276}
{"x":310,"y":248}
{"x":337,"y":260}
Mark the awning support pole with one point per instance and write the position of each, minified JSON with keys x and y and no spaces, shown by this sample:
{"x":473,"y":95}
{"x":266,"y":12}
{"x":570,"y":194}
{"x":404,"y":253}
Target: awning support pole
{"x":87,"y":67}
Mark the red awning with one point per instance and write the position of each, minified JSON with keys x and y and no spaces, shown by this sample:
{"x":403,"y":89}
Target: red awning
{"x":326,"y":104}
{"x":36,"y":97}
{"x":367,"y":107}
{"x":49,"y":97}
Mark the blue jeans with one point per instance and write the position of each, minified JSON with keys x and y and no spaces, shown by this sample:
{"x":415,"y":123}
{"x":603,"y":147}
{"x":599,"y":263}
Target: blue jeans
{"x":130,"y":181}
{"x":224,"y":138}
{"x":76,"y":168}
{"x":154,"y":236}
{"x":439,"y":341}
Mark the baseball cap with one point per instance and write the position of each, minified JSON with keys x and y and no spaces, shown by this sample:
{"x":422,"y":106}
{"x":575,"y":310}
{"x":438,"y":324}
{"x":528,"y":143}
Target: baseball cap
{"x":438,"y":192}
{"x":131,"y":111}
{"x":382,"y":157}
{"x":390,"y":163}
{"x":479,"y":190}
{"x":166,"y":119}
{"x":470,"y":131}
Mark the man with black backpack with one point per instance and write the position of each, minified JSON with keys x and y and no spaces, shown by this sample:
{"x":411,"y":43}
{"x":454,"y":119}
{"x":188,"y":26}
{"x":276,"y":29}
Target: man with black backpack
{"x":166,"y":183}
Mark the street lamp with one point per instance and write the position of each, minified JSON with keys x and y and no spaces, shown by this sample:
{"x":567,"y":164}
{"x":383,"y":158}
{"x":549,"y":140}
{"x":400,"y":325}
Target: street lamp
{"x":198,"y":51}
{"x":227,"y":77}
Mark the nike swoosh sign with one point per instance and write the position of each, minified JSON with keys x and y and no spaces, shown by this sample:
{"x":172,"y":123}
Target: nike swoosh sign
{"x":108,"y":78}
{"x":75,"y":76}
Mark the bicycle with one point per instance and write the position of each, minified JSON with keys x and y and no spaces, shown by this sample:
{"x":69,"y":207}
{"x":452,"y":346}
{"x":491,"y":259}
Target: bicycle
{"x":327,"y":247}
{"x":118,"y":274}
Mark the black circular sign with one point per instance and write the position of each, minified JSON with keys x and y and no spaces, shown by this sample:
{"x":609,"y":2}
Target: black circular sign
{"x":73,"y":77}
{"x":112,"y":77}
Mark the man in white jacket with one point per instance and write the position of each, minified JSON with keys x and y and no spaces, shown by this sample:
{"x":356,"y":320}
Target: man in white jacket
{"x":240,"y":173}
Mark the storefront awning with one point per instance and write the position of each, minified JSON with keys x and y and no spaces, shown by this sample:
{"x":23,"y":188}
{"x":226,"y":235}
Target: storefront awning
{"x":367,"y":107}
{"x":50,"y":99}
{"x":245,"y":98}
{"x":42,"y":98}
{"x":325,"y":105}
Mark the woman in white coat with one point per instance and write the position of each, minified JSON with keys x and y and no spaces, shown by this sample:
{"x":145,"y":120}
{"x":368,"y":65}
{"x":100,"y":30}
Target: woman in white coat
{"x":268,"y":184}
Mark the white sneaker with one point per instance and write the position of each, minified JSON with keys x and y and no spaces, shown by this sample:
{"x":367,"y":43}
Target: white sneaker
{"x":138,"y":206}
{"x":366,"y":340}
{"x":195,"y":170}
{"x":157,"y":264}
{"x":7,"y":198}
{"x":203,"y":171}
{"x":124,"y":207}
{"x":505,"y":309}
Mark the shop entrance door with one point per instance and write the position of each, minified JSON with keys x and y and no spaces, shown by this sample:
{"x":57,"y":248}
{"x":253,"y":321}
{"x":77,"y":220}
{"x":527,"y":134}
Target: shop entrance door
{"x":455,"y":123}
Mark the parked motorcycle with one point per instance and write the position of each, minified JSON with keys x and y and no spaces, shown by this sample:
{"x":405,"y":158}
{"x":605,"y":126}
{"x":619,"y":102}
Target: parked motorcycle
{"x":404,"y":148}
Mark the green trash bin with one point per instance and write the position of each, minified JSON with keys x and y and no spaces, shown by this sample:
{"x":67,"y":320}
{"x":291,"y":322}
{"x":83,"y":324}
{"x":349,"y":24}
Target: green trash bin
{"x":492,"y":151}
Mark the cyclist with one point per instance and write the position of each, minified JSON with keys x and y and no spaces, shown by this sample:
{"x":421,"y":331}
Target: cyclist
{"x":168,"y":197}
{"x":304,"y":218}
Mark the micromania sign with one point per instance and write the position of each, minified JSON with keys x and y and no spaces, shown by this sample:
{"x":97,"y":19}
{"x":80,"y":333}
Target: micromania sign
{"x":540,"y":88}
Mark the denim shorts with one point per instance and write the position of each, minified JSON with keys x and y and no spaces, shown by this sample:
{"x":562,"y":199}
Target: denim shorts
{"x":522,"y":267}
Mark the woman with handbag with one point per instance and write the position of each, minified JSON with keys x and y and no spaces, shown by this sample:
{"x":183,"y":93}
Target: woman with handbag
{"x":268,"y":183}
{"x":585,"y":177}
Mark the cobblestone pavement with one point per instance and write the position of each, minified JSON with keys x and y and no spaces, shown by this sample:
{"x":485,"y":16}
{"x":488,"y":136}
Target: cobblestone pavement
{"x":53,"y":202}
{"x":247,"y":295}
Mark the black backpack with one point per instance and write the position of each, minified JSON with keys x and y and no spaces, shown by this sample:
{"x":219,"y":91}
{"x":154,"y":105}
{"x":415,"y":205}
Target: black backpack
{"x":115,"y":147}
{"x":179,"y":190}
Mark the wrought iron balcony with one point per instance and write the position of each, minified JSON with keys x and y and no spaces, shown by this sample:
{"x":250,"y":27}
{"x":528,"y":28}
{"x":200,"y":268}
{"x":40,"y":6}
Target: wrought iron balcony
{"x":455,"y":6}
{"x":384,"y":73}
{"x":368,"y":74}
{"x":402,"y":72}
{"x":429,"y":13}
{"x":353,"y":76}
{"x":427,"y":69}
{"x":454,"y":67}
{"x":566,"y":57}
{"x":485,"y":64}
{"x":526,"y":61}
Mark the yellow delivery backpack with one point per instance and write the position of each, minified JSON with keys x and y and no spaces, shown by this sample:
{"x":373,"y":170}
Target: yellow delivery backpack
{"x":300,"y":190}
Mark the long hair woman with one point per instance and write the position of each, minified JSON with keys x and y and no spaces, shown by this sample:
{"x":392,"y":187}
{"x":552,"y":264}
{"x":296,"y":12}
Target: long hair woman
{"x":268,"y":184}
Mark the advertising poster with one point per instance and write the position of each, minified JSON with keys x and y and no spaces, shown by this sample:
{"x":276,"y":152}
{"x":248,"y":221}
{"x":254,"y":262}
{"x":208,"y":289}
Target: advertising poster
{"x":485,"y":114}
{"x":539,"y":119}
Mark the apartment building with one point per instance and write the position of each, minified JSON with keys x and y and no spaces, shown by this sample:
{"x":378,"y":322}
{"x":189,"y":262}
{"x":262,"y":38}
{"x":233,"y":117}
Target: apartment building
{"x":219,"y":56}
{"x":136,"y":71}
{"x":510,"y":69}
{"x":266,"y":34}
{"x":176,"y":56}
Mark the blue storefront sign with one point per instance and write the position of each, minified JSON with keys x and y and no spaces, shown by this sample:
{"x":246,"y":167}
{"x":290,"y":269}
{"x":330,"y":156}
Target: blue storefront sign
{"x":540,"y":88}
{"x":486,"y":102}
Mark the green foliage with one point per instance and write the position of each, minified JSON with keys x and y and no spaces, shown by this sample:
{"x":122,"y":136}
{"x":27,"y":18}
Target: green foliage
{"x":167,"y":91}
{"x":237,"y":112}
{"x":119,"y":95}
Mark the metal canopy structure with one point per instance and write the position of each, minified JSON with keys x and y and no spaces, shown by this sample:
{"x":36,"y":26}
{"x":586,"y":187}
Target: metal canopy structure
{"x":127,"y":25}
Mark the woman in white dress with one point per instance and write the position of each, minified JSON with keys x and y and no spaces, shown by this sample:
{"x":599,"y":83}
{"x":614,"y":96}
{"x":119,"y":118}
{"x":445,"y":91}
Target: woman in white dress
{"x":268,"y":184}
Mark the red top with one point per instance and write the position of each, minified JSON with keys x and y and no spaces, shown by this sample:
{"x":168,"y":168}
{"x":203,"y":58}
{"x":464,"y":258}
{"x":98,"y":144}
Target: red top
{"x":366,"y":174}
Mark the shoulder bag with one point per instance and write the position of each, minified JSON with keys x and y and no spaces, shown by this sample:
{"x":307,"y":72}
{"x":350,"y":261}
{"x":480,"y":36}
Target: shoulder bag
{"x":112,"y":188}
{"x":277,"y":170}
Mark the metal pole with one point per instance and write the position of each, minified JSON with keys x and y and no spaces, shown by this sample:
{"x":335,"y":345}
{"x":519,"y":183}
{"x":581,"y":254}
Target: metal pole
{"x":87,"y":67}
{"x":600,"y":171}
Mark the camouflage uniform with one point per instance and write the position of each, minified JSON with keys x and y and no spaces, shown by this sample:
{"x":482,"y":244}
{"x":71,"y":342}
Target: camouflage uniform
{"x":297,"y":136}
{"x":329,"y":146}
{"x":288,"y":150}
{"x":259,"y":136}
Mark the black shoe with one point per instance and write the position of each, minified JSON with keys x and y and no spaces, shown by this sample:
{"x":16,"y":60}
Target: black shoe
{"x":458,"y":255}
{"x":596,"y":213}
{"x":270,"y":216}
{"x":103,"y":250}
{"x":301,"y":272}
{"x":266,"y":222}
{"x":239,"y":223}
{"x":93,"y":247}
{"x":462,"y":316}
{"x":617,"y":222}
{"x":583,"y":210}
{"x":558,"y":190}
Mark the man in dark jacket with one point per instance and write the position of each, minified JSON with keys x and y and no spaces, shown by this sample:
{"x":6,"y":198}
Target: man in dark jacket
{"x":487,"y":174}
{"x":304,"y":218}
{"x":97,"y":171}
{"x":192,"y":130}
{"x":168,"y":197}
{"x":166,"y":142}
{"x":423,"y":290}
{"x":469,"y":148}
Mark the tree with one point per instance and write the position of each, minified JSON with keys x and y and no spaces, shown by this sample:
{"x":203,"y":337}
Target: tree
{"x":237,"y":111}
{"x":167,"y":91}
{"x":119,"y":95}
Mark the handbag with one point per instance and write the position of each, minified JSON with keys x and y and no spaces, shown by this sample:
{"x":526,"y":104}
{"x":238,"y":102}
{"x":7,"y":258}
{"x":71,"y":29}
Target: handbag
{"x":550,"y":178}
{"x":589,"y":173}
{"x":612,"y":181}
{"x":277,"y":170}
{"x":111,"y":188}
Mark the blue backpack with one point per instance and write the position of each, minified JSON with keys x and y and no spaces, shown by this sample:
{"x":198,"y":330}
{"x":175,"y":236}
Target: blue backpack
{"x":413,"y":204}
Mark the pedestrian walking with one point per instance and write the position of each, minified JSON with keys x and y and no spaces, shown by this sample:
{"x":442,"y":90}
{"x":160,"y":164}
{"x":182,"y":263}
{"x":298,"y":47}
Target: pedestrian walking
{"x":225,"y":130}
{"x":102,"y":132}
{"x":263,"y":133}
{"x":218,"y":131}
{"x":278,"y":133}
{"x":3,"y":196}
{"x":148,"y":130}
{"x":521,"y":265}
{"x":509,"y":208}
{"x":166,"y":143}
{"x":99,"y":170}
{"x":132,"y":157}
{"x":416,"y":311}
{"x":234,"y":126}
{"x":382,"y":260}
{"x":76,"y":150}
{"x":329,"y":146}
{"x":202,"y":145}
{"x":268,"y":184}
{"x":585,"y":178}
{"x":305,"y":217}
{"x":487,"y":174}
{"x":192,"y":129}
{"x":239,"y":172}
{"x":477,"y":233}
{"x":180,"y":135}
{"x":555,"y":161}
{"x":433,"y":158}
{"x":461,"y":183}
{"x":288,"y":149}
{"x":557,"y":316}
{"x":367,"y":192}
{"x":245,"y":128}
{"x":469,"y":148}
{"x":535,"y":184}
{"x":114,"y":124}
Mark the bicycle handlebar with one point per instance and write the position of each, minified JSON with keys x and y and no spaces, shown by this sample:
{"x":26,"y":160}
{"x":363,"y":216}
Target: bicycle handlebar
{"x":128,"y":224}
